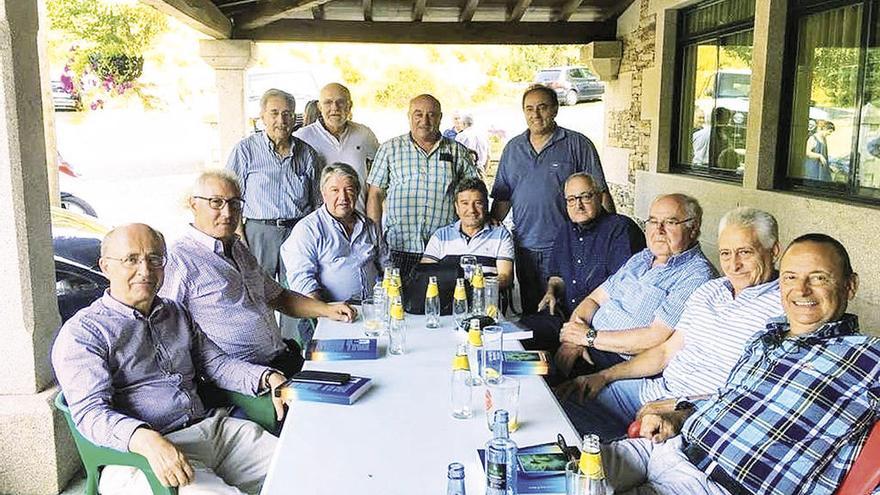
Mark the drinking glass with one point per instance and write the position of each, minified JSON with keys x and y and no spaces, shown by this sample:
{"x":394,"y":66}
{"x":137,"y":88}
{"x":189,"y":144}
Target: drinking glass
{"x":576,"y":483}
{"x":493,"y":357}
{"x":503,"y":394}
{"x":493,"y":310}
{"x":397,"y":338}
{"x":469,"y":266}
{"x":371,"y":312}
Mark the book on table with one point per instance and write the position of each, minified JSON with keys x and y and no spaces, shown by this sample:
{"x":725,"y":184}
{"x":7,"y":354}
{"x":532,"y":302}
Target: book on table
{"x":347,"y":393}
{"x":528,"y":484}
{"x":342,"y":349}
{"x":515,"y":331}
{"x":524,"y":362}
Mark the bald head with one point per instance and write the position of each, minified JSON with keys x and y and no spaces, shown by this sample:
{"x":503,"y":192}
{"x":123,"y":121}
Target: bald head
{"x":424,"y":120}
{"x":122,"y":234}
{"x":133,"y":259}
{"x":334,"y":102}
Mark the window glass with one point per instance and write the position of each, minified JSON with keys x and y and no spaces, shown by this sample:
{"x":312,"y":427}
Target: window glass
{"x":868,"y":176}
{"x":711,"y":16}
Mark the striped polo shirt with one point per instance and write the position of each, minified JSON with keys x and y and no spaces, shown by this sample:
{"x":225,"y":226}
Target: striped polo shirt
{"x":715,"y":327}
{"x":490,"y":244}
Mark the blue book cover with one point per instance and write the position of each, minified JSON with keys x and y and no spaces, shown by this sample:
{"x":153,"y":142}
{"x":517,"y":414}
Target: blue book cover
{"x":515,"y":331}
{"x":526,"y":485}
{"x":523,"y":362}
{"x":319,"y":392}
{"x":342,"y":349}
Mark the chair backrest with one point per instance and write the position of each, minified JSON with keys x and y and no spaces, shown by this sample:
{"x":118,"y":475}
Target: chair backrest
{"x":864,"y":476}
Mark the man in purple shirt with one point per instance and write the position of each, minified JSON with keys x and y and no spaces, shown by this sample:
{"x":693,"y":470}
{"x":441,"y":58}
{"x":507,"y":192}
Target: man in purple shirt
{"x":212,"y":273}
{"x":128,"y":366}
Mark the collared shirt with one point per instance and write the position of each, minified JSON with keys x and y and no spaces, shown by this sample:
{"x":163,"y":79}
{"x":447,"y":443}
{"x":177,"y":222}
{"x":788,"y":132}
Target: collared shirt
{"x":227,"y":296}
{"x":640,"y":293}
{"x":356,"y":146}
{"x":476,"y":141}
{"x":420,"y":188}
{"x":716,"y":327}
{"x":276,"y":187}
{"x":321,"y":256}
{"x":532,"y":182}
{"x":120,"y":370}
{"x":489,"y":244}
{"x":584,"y":257}
{"x":795,"y":411}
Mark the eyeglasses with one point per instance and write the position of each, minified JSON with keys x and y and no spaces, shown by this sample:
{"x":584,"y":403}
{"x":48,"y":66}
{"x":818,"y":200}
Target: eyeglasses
{"x":219,"y":203}
{"x":133,"y":261}
{"x":584,"y":197}
{"x":667,"y":224}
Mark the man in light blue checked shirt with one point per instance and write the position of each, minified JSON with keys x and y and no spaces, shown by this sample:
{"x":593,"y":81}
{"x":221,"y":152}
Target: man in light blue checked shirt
{"x":413,"y":181}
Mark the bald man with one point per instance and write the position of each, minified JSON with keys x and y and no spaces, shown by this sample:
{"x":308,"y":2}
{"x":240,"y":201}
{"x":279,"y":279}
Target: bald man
{"x":412,"y":183}
{"x":338,"y":139}
{"x":127,"y":365}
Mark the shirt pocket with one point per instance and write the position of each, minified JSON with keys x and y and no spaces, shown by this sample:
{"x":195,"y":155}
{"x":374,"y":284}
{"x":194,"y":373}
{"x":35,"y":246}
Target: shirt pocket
{"x":641,"y":300}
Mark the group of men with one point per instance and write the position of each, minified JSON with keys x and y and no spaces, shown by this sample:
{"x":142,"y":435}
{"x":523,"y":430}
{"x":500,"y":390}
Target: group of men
{"x":753,"y":382}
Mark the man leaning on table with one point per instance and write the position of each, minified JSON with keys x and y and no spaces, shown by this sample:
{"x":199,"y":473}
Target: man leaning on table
{"x":214,"y":275}
{"x":128,"y":365}
{"x":718,"y":319}
{"x":794,"y":412}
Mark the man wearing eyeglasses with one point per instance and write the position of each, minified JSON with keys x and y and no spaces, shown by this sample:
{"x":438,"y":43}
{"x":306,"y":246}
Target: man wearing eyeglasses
{"x":212,"y":273}
{"x":128,"y":366}
{"x":531,"y":172}
{"x":587,"y":249}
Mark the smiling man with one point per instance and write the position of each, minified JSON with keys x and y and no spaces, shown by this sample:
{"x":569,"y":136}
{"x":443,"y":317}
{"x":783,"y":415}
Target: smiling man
{"x":213,"y":274}
{"x":718,"y":319}
{"x":531,"y":171}
{"x":336,"y":252}
{"x":473,"y":235}
{"x":412,"y":183}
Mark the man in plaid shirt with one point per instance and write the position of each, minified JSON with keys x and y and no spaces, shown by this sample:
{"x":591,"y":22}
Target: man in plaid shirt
{"x":796,"y":408}
{"x":412,"y":182}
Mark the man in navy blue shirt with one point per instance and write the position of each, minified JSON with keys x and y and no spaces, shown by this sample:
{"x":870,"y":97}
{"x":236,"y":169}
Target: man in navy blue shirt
{"x":588,"y":249}
{"x":532,"y":169}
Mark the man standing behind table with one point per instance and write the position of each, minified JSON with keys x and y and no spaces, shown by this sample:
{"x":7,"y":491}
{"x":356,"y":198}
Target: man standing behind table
{"x":475,"y":140}
{"x":532,"y":169}
{"x":340,"y":140}
{"x":413,"y":182}
{"x":212,"y":273}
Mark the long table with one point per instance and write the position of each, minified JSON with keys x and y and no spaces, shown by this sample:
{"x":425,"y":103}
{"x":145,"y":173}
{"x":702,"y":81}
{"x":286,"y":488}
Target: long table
{"x":400,"y":436}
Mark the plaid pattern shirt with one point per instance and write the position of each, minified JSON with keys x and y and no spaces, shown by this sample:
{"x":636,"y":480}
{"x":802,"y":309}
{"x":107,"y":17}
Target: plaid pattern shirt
{"x":795,"y":411}
{"x":419,"y":188}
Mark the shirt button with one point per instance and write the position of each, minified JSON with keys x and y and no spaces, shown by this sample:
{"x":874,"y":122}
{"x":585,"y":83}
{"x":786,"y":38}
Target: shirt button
{"x":574,"y":282}
{"x":579,"y":262}
{"x":581,"y":239}
{"x":572,"y":301}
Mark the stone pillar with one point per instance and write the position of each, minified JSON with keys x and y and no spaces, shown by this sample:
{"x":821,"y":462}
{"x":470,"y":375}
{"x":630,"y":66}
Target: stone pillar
{"x":230,"y":59}
{"x":36,"y":451}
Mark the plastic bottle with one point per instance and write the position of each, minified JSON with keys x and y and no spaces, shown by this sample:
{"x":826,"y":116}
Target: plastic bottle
{"x":432,"y":304}
{"x":591,"y":465}
{"x":397,"y":325}
{"x":462,"y":393}
{"x":459,"y":303}
{"x":455,"y":477}
{"x":478,"y":292}
{"x":500,"y":459}
{"x":475,"y":346}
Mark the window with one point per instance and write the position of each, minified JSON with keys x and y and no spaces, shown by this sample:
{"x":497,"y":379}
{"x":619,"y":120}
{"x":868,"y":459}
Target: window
{"x":714,"y":57}
{"x":833,"y":127}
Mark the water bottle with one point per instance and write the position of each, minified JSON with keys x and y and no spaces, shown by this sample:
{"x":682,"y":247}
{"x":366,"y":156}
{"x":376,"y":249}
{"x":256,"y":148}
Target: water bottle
{"x":590,"y":464}
{"x":475,"y":347}
{"x":397,"y":328}
{"x":455,"y":476}
{"x":500,"y":459}
{"x":432,"y":304}
{"x":386,"y":310}
{"x":478,"y":293}
{"x":459,"y":303}
{"x":395,"y":277}
{"x":461,"y":390}
{"x":380,"y":302}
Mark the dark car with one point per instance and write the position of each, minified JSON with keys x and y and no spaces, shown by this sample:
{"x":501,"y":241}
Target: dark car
{"x":77,"y":247}
{"x":572,"y":84}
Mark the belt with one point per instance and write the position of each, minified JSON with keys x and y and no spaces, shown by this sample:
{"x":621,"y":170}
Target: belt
{"x":277,"y":222}
{"x":704,"y":463}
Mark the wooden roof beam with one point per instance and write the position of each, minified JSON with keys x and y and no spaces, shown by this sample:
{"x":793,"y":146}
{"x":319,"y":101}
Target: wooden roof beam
{"x":569,"y":8}
{"x":519,"y":9}
{"x":467,"y":13}
{"x":418,"y":11}
{"x":201,"y":15}
{"x":273,"y":10}
{"x":500,"y":33}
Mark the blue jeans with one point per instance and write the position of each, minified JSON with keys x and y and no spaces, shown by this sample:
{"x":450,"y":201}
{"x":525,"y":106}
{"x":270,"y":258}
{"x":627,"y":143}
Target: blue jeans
{"x":610,"y":414}
{"x":531,"y":273}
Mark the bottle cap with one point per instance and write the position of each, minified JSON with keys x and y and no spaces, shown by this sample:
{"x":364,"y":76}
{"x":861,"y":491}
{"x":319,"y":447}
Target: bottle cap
{"x":456,"y":471}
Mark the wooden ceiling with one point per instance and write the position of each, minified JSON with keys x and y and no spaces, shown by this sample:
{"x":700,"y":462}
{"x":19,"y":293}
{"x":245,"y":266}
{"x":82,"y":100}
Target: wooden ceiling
{"x":403,"y":21}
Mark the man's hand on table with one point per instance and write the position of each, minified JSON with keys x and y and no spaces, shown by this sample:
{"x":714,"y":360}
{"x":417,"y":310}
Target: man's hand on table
{"x":168,"y":463}
{"x":340,"y":312}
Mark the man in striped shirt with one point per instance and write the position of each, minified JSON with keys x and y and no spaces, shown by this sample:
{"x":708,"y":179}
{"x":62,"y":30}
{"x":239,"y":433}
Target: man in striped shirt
{"x":719,"y":318}
{"x":412,"y":183}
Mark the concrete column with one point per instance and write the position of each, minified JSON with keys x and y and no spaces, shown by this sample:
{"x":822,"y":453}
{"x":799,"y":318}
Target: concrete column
{"x":230,"y":59}
{"x":35,"y":451}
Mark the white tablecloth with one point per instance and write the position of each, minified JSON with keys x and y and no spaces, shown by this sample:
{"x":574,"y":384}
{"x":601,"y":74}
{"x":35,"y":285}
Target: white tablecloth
{"x":400,"y":436}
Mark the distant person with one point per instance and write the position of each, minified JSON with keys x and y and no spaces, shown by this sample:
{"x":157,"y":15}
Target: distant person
{"x":338,"y":139}
{"x":475,"y":140}
{"x":721,"y":146}
{"x":816,"y":159}
{"x":310,"y":113}
{"x":531,"y":172}
{"x":700,"y":138}
{"x":412,"y":183}
{"x":456,"y":126}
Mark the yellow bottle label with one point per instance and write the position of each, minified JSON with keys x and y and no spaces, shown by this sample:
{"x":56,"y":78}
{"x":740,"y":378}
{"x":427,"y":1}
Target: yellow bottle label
{"x":591,"y":465}
{"x":397,"y":311}
{"x":460,"y":363}
{"x":492,"y":311}
{"x":386,"y":282}
{"x":393,"y":291}
{"x":477,"y":282}
{"x":433,"y":291}
{"x":475,"y":338}
{"x":459,"y":294}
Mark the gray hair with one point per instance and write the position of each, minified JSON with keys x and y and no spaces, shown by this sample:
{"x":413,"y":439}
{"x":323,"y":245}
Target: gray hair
{"x":583,"y":175}
{"x":202,"y":181}
{"x":467,"y":119}
{"x":277,"y":93}
{"x":760,"y":221}
{"x":344,"y":170}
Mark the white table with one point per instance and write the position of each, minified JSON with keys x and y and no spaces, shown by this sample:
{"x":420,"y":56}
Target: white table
{"x":400,"y":436}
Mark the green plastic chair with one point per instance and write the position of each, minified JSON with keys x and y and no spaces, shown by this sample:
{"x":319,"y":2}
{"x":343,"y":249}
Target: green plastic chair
{"x":258,"y":409}
{"x":94,"y":458}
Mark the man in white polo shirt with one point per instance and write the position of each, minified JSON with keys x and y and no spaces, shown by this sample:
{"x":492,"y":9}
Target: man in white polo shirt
{"x":473,"y":235}
{"x":339,"y":140}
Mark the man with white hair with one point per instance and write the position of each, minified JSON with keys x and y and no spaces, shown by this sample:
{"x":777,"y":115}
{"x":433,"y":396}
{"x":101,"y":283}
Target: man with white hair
{"x":718,"y":320}
{"x":338,"y":139}
{"x":475,"y":141}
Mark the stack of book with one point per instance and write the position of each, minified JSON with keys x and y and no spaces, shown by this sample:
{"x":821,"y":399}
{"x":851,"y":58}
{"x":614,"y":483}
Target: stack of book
{"x":524,"y":362}
{"x":342,"y":349}
{"x":346,"y":393}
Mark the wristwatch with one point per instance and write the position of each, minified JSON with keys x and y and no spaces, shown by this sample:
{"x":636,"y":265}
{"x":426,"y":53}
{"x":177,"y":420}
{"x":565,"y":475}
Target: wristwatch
{"x":683,"y":403}
{"x":591,"y":336}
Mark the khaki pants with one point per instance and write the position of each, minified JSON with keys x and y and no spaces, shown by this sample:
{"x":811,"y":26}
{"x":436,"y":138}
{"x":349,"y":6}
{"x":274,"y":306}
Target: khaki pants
{"x":228,"y":455}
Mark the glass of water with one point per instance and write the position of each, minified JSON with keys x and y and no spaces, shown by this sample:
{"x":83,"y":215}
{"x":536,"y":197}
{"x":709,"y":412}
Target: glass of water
{"x":493,"y":357}
{"x":372,"y":314}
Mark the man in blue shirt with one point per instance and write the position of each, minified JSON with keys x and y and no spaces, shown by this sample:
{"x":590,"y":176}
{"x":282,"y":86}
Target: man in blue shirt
{"x":588,"y":249}
{"x":795,"y":410}
{"x":532,"y":169}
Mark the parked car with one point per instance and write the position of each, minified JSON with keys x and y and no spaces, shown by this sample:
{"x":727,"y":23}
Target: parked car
{"x":64,"y":101}
{"x":572,"y":84}
{"x":300,"y":83}
{"x":66,"y":182}
{"x":76,"y":241}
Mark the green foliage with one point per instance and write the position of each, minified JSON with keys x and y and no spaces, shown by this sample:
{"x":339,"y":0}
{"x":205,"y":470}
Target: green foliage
{"x":402,"y":84}
{"x":350,"y":74}
{"x":835,"y":73}
{"x":524,"y":61}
